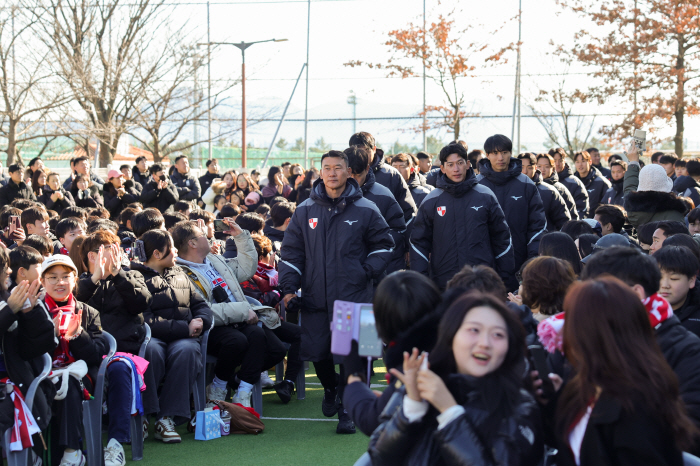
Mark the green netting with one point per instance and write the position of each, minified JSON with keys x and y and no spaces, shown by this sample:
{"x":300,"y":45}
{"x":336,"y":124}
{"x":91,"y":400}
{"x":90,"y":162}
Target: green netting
{"x":230,"y":157}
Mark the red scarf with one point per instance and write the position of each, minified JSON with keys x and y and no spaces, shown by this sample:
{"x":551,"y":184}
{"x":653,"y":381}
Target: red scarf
{"x":25,"y":425}
{"x":62,"y":355}
{"x":266,"y":277}
{"x":658,"y":308}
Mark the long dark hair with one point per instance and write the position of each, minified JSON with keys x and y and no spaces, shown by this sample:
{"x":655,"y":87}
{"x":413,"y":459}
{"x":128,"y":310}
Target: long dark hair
{"x":35,"y":182}
{"x":274,"y":170}
{"x":308,"y":178}
{"x":609,"y":342}
{"x":500,"y":388}
{"x":558,"y":244}
{"x":156,"y":240}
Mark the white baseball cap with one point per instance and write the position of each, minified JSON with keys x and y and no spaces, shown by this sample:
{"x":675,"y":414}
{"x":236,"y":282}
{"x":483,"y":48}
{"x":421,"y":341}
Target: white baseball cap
{"x":58,"y":259}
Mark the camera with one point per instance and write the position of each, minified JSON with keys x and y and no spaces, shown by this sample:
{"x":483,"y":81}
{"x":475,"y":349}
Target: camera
{"x":354,"y":321}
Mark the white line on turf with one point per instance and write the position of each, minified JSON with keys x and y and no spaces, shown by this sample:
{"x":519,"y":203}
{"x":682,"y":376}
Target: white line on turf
{"x":265,"y":418}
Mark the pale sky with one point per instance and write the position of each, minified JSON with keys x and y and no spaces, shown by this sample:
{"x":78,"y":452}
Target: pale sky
{"x":344,"y":30}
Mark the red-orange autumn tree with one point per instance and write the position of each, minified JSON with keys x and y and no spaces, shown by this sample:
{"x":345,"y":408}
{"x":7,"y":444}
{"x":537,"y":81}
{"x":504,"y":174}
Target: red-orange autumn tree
{"x":646,"y":54}
{"x":449,"y":54}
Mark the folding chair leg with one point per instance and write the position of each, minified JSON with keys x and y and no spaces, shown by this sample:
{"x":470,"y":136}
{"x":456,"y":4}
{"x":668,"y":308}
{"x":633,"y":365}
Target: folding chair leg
{"x":257,"y":398}
{"x":93,"y":432}
{"x":279,"y":372}
{"x":301,"y":386}
{"x":136,"y":438}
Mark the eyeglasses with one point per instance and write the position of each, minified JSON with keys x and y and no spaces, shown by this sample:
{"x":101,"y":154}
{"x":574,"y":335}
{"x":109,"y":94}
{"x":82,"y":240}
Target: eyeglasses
{"x":57,"y":280}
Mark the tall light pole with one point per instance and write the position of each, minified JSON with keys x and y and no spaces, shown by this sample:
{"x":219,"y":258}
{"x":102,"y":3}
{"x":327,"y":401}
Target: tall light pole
{"x":352,"y":100}
{"x":425,"y":116}
{"x":243,"y":46}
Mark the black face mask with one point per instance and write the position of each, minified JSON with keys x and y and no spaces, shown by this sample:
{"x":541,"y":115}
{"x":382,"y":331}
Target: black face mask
{"x":220,"y":295}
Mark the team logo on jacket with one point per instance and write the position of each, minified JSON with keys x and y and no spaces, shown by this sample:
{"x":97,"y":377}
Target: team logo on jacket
{"x":441,"y":211}
{"x":313,"y":222}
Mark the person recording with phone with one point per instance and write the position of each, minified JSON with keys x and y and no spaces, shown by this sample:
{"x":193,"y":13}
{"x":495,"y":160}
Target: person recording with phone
{"x":12,"y":231}
{"x":160,"y":192}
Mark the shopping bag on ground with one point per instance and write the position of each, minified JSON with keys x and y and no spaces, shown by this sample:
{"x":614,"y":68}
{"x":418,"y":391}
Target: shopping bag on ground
{"x":243,"y":420}
{"x":208,"y":424}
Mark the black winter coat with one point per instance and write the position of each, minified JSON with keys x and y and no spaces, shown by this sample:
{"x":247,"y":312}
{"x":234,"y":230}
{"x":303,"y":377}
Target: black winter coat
{"x":96,"y":181}
{"x":577,"y":190}
{"x":686,"y":186}
{"x":615,"y":195}
{"x":461,"y":442}
{"x":60,"y":204}
{"x":393,"y":215}
{"x":389,"y":177}
{"x":126,"y":236}
{"x":121,"y":300}
{"x":141,"y":178}
{"x":689,"y":313}
{"x":460,"y":224}
{"x":432,"y":176}
{"x":206,"y":180}
{"x":161,"y":199}
{"x":596,"y":186}
{"x":334,"y":248}
{"x":187,"y":186}
{"x":86,"y":199}
{"x":650,"y":206}
{"x":23,"y":345}
{"x":522,"y":205}
{"x":681,"y":348}
{"x":419,"y":188}
{"x":275,"y":235}
{"x":12,"y":191}
{"x":616,"y":437}
{"x":555,"y":210}
{"x":603,"y":171}
{"x":565,"y":194}
{"x":175,"y":304}
{"x":116,"y":204}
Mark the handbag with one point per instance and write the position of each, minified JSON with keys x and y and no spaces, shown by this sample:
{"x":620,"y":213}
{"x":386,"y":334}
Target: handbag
{"x":243,"y":421}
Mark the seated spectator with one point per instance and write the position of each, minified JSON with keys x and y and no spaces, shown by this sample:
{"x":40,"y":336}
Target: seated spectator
{"x":679,"y":168}
{"x":219,"y":202}
{"x":560,"y":245}
{"x":277,"y":185}
{"x":250,"y":222}
{"x":22,"y":204}
{"x":184,"y":207}
{"x":680,"y":347}
{"x":159,"y":193}
{"x":585,"y":244}
{"x":217,"y":246}
{"x":683,"y":240}
{"x":622,"y":406}
{"x":116,"y":195}
{"x":172,"y":219}
{"x":224,"y":187}
{"x":280,"y":216}
{"x":67,"y":231}
{"x":244,"y":187}
{"x":81,"y":340}
{"x":10,"y":235}
{"x":263,"y":288}
{"x":35,"y":221}
{"x":687,"y":185}
{"x":15,"y":187}
{"x":82,"y":194}
{"x":54,"y":196}
{"x":130,"y":184}
{"x":208,"y":178}
{"x":25,"y":263}
{"x":235,"y":339}
{"x":74,"y":211}
{"x":576,"y":228}
{"x":177,"y":316}
{"x":125,"y":232}
{"x":679,"y":271}
{"x":304,"y":189}
{"x":476,"y":394}
{"x":38,"y":181}
{"x":229,"y":211}
{"x":663,"y":231}
{"x":148,"y":219}
{"x":102,"y":224}
{"x":99,"y":212}
{"x":263,"y":210}
{"x":645,"y":235}
{"x":41,"y":244}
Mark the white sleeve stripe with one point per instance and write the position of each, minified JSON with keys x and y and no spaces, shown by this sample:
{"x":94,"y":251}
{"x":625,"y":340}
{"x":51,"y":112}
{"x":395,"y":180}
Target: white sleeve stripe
{"x":539,"y":232}
{"x":292,"y":266}
{"x":2,"y":304}
{"x":380,"y":250}
{"x":510,"y":245}
{"x":409,"y":222}
{"x":419,"y":253}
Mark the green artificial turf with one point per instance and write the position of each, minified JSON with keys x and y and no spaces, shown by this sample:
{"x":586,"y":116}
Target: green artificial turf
{"x":283,"y":442}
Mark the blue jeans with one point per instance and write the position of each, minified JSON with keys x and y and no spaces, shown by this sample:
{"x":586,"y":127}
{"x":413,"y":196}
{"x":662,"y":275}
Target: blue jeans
{"x":119,"y":396}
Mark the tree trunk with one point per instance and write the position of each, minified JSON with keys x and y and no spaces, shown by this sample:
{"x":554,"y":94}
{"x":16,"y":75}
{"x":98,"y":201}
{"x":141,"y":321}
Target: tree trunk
{"x":12,"y":142}
{"x":678,"y":138}
{"x":456,"y":121}
{"x":105,"y":157}
{"x":156,"y":151}
{"x":679,"y":114}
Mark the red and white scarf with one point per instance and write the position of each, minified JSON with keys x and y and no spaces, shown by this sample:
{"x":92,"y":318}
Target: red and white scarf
{"x":62,"y":355}
{"x":550,"y":330}
{"x":25,"y":425}
{"x":268,"y":274}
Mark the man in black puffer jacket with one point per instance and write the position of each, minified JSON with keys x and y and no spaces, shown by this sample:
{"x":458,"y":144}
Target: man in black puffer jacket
{"x":118,"y":293}
{"x":519,"y":198}
{"x":680,"y":347}
{"x":555,"y":210}
{"x":15,"y":188}
{"x":160,"y":193}
{"x":459,"y":223}
{"x":187,"y":185}
{"x":358,"y":160}
{"x":387,"y":176}
{"x":336,"y":244}
{"x":688,"y":186}
{"x":615,"y":195}
{"x":596,"y":184}
{"x":545,"y":164}
{"x":140,"y":172}
{"x":572,"y":183}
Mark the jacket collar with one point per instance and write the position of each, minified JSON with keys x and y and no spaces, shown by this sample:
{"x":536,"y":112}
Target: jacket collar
{"x":592,"y":175}
{"x":537,"y":177}
{"x":378,"y":161}
{"x":369,"y":182}
{"x":566,"y":172}
{"x":456,"y":189}
{"x":552,"y":179}
{"x":415,"y":181}
{"x":500,"y":178}
{"x":351,"y":194}
{"x":618,"y":185}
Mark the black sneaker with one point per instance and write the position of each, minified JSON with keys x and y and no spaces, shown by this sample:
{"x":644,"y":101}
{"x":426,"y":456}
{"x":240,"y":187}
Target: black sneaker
{"x":284,"y":390}
{"x":330,"y":403}
{"x":345,"y":424}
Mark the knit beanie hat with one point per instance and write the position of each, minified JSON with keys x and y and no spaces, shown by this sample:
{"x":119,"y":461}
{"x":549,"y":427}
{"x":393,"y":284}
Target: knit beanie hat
{"x":653,"y":178}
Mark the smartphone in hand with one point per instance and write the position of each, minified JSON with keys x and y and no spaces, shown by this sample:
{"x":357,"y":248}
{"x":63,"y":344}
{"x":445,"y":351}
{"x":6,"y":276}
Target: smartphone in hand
{"x":538,"y":356}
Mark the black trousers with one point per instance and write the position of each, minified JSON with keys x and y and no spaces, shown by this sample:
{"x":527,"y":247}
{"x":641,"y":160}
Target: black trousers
{"x":249,"y":346}
{"x":67,"y":421}
{"x":290,"y":333}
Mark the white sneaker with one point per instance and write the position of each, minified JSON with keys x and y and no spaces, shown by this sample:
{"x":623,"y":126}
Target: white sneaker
{"x":214,"y":393}
{"x":165,"y":431}
{"x":266,"y":380}
{"x":114,"y":454}
{"x":243,"y":398}
{"x":71,"y":461}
